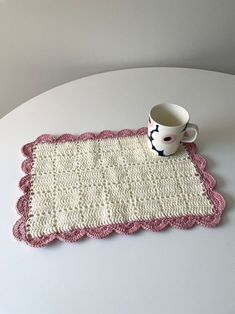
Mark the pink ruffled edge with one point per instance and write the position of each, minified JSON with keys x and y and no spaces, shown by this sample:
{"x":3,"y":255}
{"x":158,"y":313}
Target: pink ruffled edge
{"x":186,"y":222}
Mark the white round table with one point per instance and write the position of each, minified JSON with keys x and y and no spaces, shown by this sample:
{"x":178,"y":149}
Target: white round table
{"x":174,"y":271}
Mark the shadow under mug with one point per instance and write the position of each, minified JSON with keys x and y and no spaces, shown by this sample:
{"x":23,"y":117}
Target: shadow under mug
{"x":168,"y":127}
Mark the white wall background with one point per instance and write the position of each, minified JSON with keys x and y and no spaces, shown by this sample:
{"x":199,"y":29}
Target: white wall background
{"x":44,"y":43}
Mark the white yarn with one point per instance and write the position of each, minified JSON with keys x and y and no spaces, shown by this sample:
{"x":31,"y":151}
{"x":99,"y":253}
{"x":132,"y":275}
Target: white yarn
{"x":102,"y":182}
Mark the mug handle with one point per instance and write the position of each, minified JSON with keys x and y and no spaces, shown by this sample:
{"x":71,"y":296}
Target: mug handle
{"x":190,"y":136}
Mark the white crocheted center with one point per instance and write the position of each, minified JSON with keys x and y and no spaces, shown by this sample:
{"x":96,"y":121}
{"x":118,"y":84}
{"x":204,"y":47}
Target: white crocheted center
{"x":101,"y":182}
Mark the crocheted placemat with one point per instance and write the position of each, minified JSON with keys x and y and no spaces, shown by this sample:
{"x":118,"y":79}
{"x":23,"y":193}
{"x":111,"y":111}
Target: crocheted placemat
{"x":94,"y":184}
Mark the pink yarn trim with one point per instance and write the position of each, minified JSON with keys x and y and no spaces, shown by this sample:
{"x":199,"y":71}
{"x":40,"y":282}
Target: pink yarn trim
{"x":186,"y":222}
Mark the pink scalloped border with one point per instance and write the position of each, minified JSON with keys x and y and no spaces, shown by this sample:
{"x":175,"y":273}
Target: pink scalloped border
{"x":186,"y":222}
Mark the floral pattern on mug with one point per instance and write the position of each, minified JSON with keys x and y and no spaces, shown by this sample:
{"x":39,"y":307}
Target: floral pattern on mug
{"x":169,"y":138}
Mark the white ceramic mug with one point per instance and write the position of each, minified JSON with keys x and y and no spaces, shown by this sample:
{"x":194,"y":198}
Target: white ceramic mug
{"x":169,"y":126}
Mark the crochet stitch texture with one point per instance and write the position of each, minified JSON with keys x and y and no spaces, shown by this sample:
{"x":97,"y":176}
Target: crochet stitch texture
{"x":90,"y":183}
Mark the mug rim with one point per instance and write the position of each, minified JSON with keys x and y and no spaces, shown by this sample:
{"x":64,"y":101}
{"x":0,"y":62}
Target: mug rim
{"x":170,"y":105}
